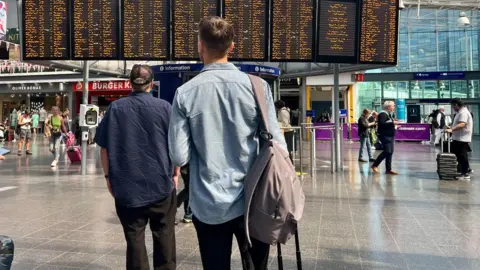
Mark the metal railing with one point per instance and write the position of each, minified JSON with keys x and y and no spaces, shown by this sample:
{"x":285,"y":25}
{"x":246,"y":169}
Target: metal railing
{"x":313,"y":146}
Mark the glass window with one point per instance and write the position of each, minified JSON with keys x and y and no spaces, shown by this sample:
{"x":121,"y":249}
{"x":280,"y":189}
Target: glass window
{"x":459,"y":89}
{"x":368,"y":96}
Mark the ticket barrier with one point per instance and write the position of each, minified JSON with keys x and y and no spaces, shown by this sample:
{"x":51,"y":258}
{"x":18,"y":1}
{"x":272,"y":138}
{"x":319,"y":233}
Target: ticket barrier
{"x":313,"y":155}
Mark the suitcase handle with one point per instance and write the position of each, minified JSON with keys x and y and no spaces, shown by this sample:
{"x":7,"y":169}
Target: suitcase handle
{"x":444,"y":134}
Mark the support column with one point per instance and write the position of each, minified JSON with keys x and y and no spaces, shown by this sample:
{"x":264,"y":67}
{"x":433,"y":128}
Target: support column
{"x":86,"y":70}
{"x":303,"y":104}
{"x":336,"y":117}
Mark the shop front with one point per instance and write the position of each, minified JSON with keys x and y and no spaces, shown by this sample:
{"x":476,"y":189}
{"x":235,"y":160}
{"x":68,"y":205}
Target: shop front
{"x":32,"y":96}
{"x":102,"y":93}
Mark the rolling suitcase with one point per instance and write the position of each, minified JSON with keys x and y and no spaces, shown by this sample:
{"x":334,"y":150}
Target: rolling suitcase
{"x":297,"y":253}
{"x":446,"y":162}
{"x":6,"y":252}
{"x":74,"y":154}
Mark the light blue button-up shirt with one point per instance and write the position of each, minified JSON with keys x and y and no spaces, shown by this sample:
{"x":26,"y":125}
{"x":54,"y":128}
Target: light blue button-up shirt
{"x":214,"y":127}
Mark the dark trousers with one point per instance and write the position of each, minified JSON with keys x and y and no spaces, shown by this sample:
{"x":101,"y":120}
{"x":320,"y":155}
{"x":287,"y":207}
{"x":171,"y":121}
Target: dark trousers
{"x":289,"y":135}
{"x":215,"y":242}
{"x":183,"y":196}
{"x":460,"y":149}
{"x":388,"y":144}
{"x":162,"y":224}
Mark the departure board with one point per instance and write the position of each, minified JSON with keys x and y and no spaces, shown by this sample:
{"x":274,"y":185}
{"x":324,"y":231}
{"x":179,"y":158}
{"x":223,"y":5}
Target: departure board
{"x":292,"y":31}
{"x":379,"y":32}
{"x":45,"y":32}
{"x":250,"y":21}
{"x":95,"y":29}
{"x":337,"y":31}
{"x":145,"y":33}
{"x":186,"y":16}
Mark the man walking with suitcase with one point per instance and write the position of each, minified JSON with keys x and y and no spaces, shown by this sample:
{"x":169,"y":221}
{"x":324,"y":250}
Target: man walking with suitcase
{"x":133,"y":136}
{"x":214,"y":128}
{"x":462,"y":130}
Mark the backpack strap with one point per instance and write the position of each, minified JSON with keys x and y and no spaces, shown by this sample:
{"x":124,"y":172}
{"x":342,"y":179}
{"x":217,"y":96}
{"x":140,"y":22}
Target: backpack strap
{"x":259,"y":93}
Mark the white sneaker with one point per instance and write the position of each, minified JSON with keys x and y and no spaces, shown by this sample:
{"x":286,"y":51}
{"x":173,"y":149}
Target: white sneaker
{"x":464,"y":178}
{"x":54,"y":163}
{"x":14,"y":140}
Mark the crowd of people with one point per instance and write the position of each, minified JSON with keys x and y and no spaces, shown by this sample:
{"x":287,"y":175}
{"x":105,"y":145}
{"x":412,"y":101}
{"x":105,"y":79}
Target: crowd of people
{"x":378,"y":130}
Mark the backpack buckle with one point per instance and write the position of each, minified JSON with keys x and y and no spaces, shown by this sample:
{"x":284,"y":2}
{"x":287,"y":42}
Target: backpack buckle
{"x":266,"y":136}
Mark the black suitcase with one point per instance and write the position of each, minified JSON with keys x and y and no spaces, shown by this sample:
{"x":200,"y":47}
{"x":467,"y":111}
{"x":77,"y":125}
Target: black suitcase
{"x":446,"y":162}
{"x":297,"y":253}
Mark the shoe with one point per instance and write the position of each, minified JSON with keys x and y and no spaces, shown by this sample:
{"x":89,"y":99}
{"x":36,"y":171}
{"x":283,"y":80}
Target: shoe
{"x":14,"y":140}
{"x":392,"y":172}
{"x":375,"y":170}
{"x":463,"y":177}
{"x":19,"y":153}
{"x":54,"y":163}
{"x":28,"y":152}
{"x":372,"y":160}
{"x":362,"y":160}
{"x":187,"y":220}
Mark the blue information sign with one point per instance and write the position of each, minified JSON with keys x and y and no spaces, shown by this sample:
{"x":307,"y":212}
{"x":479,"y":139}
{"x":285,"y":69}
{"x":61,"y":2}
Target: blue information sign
{"x":343,"y":113}
{"x":426,"y":76}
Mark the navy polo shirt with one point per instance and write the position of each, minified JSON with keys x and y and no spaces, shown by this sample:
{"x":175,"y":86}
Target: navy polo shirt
{"x":134,"y":131}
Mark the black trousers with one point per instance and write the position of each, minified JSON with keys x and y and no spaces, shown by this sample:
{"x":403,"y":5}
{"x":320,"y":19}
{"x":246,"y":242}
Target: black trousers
{"x":388,"y":144}
{"x":460,"y":149}
{"x":215,"y":242}
{"x":183,"y":196}
{"x":162,"y":224}
{"x":289,"y":135}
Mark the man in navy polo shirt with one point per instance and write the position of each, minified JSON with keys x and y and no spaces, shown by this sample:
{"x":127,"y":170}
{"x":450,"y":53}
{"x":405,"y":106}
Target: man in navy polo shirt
{"x":133,"y":136}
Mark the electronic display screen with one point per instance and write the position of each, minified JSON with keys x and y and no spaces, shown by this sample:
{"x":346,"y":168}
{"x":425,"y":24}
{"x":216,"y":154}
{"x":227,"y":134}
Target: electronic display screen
{"x":145,"y":26}
{"x":337,"y":31}
{"x":250,"y":21}
{"x":95,"y":28}
{"x":186,"y":16}
{"x":45,"y":32}
{"x":292,"y":31}
{"x":379,"y":32}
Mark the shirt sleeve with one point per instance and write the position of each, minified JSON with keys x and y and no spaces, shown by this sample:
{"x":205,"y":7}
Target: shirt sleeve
{"x":273,"y":126}
{"x":463,"y":117}
{"x":101,"y":135}
{"x":179,"y":134}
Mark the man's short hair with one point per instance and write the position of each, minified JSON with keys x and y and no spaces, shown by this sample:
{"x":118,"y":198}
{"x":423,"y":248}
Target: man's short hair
{"x":366,"y":111}
{"x":457,"y":101}
{"x":216,"y":34}
{"x":388,"y":103}
{"x":141,"y":76}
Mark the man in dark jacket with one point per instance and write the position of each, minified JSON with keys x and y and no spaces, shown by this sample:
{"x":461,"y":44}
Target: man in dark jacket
{"x":386,"y":134}
{"x":363,"y":132}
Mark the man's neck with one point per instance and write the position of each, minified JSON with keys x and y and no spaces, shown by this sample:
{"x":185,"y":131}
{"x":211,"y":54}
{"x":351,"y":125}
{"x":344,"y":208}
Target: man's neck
{"x":223,"y":60}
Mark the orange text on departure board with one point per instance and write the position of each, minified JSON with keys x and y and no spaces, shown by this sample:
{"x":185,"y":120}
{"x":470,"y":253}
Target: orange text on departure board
{"x":248,"y":18}
{"x":145,"y":34}
{"x":46,"y":29}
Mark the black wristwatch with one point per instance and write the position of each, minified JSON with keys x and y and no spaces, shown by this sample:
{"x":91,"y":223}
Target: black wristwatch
{"x":106,"y":176}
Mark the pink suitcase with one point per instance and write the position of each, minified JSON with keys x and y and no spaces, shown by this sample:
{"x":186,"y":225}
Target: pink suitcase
{"x":74,"y":154}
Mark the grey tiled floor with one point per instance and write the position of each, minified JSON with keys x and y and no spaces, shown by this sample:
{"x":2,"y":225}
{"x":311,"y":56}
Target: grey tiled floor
{"x":353,"y":220}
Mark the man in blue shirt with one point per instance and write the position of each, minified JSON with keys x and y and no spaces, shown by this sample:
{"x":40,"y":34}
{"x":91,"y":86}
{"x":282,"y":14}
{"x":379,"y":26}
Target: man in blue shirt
{"x":214,"y":127}
{"x":133,"y":136}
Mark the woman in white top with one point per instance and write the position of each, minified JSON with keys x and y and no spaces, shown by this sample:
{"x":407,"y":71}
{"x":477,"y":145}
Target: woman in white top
{"x":25,"y":123}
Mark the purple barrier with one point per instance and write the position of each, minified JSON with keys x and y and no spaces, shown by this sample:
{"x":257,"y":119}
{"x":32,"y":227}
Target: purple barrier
{"x":405,"y":132}
{"x":413,"y":132}
{"x":322,"y":134}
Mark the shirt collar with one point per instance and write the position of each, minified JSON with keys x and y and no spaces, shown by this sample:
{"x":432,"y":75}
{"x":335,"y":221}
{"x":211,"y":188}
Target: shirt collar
{"x":219,"y":66}
{"x":138,"y":93}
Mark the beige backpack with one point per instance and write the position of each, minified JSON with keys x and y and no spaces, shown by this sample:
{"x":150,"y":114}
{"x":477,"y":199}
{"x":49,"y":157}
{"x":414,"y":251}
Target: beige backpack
{"x":274,"y":198}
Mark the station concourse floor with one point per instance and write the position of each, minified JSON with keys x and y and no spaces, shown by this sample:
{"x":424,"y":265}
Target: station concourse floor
{"x":353,"y":220}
